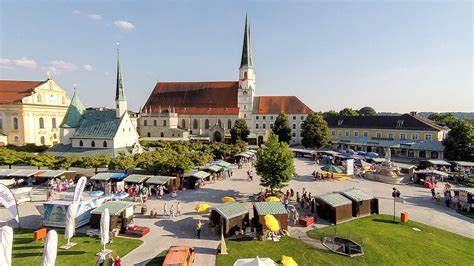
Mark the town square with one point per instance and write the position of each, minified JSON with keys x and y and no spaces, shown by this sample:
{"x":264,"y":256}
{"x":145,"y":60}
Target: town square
{"x":151,"y":141}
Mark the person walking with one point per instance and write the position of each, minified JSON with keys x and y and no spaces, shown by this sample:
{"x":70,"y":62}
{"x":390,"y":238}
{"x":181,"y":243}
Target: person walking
{"x":178,"y":209}
{"x":292,"y":192}
{"x":165,"y":211}
{"x":198,"y":229}
{"x":172,"y":212}
{"x":118,"y":261}
{"x":100,"y":259}
{"x":110,"y":261}
{"x":286,"y":203}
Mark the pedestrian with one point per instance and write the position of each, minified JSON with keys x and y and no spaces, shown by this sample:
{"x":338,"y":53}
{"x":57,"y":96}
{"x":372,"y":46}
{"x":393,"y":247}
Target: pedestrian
{"x":286,"y":203}
{"x":178,"y":209}
{"x":313,"y":206}
{"x":100,"y":259}
{"x":433,"y":193}
{"x":198,"y":229}
{"x":297,"y":196}
{"x":288,"y":193}
{"x":118,"y":261}
{"x":110,"y":261}
{"x":292,"y":192}
{"x":302,"y":203}
{"x":172,"y":212}
{"x":165,"y":211}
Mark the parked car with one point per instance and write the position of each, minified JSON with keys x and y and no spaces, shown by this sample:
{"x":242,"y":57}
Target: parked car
{"x":180,"y":256}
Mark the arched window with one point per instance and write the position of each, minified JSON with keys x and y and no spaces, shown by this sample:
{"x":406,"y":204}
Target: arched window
{"x":155,"y":123}
{"x":55,"y":136}
{"x":183,"y":123}
{"x":53,"y":122}
{"x":104,"y":144}
{"x":434,"y":155}
{"x":92,"y":143}
{"x":162,"y":135}
{"x":41,"y":122}
{"x":42,"y":140}
{"x":148,"y":134}
{"x":15,"y":123}
{"x":195,"y":124}
{"x":206,"y":124}
{"x":16,"y":139}
{"x":164,"y":123}
{"x":219,"y":122}
{"x":81,"y":143}
{"x":229,"y":124}
{"x":145,"y":122}
{"x":39,"y":98}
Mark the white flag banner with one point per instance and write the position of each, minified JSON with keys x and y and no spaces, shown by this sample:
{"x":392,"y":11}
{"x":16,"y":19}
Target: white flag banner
{"x":81,"y":184}
{"x":8,"y":200}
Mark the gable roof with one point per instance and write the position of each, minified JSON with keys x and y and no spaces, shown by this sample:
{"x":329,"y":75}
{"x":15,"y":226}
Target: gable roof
{"x":264,"y":208}
{"x":97,"y":124}
{"x":12,"y":91}
{"x":405,"y":121}
{"x":74,"y":112}
{"x":231,"y":209}
{"x":357,"y":194}
{"x":218,"y":97}
{"x":277,"y":104}
{"x":335,"y":199}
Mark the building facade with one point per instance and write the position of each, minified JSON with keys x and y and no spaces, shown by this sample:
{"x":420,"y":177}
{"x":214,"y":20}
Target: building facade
{"x":31,"y":112}
{"x":208,"y":110}
{"x":408,"y":135}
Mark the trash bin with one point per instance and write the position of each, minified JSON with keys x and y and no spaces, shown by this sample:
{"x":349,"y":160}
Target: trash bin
{"x":404,"y":217}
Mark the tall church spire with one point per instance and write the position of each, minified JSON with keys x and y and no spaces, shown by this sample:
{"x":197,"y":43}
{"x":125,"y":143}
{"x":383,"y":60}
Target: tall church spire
{"x":120,"y":99}
{"x":247,"y":59}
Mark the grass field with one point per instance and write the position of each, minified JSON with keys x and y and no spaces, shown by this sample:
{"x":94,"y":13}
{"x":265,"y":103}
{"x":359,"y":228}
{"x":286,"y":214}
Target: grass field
{"x":158,"y":260}
{"x":27,"y":252}
{"x":385,"y":243}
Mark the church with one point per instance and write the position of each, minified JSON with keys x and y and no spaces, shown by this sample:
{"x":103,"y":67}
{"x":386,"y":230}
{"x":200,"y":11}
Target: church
{"x":206,"y":111}
{"x":98,"y":131}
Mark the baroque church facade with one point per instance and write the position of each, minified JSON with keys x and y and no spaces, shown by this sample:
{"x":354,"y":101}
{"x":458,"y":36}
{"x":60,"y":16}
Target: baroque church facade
{"x":206,"y":111}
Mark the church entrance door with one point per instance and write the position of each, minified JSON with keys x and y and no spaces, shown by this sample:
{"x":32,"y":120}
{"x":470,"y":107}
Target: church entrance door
{"x":217,"y":136}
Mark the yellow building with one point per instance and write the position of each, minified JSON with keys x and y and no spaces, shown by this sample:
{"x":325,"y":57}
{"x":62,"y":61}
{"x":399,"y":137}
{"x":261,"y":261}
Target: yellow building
{"x":31,"y":112}
{"x":407,"y":135}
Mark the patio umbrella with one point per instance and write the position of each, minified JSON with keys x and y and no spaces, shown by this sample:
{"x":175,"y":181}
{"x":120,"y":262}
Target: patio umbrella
{"x":6,"y":241}
{"x":331,"y":168}
{"x":202,"y":207}
{"x":272,"y":199}
{"x":50,"y":249}
{"x":70,"y":222}
{"x":121,"y":195}
{"x":255,"y":262}
{"x":228,"y":199}
{"x":104,"y":227}
{"x":288,"y":261}
{"x":96,"y":193}
{"x":272,"y":223}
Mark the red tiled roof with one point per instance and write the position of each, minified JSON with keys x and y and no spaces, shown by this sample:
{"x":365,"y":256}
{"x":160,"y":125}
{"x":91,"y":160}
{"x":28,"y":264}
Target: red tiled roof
{"x":195,"y":97}
{"x":12,"y":91}
{"x":277,"y":104}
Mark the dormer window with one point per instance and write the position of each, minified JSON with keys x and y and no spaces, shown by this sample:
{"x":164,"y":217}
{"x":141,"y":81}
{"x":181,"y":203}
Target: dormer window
{"x":340,"y":121}
{"x":400,"y":123}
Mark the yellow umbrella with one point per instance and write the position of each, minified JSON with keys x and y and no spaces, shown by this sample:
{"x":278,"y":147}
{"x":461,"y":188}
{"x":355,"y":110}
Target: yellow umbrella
{"x":228,"y":199}
{"x":288,"y":261}
{"x":272,"y":199}
{"x":272,"y":223}
{"x":202,"y":207}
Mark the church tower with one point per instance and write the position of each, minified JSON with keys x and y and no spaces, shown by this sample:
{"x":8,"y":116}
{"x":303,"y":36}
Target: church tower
{"x":246,"y":77}
{"x":120,"y":99}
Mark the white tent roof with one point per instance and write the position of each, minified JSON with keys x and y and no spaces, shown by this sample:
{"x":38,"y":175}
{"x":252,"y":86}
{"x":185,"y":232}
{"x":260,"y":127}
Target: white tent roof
{"x":255,"y":262}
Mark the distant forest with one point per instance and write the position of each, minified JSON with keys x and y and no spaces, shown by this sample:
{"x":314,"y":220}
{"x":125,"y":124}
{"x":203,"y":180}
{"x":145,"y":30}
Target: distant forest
{"x":466,"y":115}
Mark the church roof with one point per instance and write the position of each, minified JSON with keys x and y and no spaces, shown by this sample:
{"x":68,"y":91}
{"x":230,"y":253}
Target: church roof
{"x":277,"y":104}
{"x":247,"y":59}
{"x":74,"y":112}
{"x":218,"y":97}
{"x":97,"y":124}
{"x":12,"y":91}
{"x":120,"y":90}
{"x":67,"y":150}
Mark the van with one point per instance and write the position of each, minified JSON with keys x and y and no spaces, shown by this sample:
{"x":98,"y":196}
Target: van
{"x":180,"y":256}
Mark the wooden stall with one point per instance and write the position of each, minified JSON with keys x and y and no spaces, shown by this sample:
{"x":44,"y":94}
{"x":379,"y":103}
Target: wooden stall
{"x":361,"y":202}
{"x":277,"y":209}
{"x":233,"y":216}
{"x":334,"y":207}
{"x":121,"y":215}
{"x":136,"y":179}
{"x":193,"y":179}
{"x":49,"y":174}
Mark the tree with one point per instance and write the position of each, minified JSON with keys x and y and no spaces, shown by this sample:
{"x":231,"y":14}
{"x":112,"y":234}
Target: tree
{"x":67,"y":162}
{"x":46,"y":159}
{"x":124,"y":163}
{"x":459,"y":145}
{"x":367,"y":111}
{"x":442,"y":118}
{"x":348,"y":112}
{"x":275,"y":164}
{"x":315,"y":131}
{"x":282,"y":128}
{"x":10,"y":157}
{"x":95,"y":161}
{"x":330,"y":113}
{"x":239,"y":131}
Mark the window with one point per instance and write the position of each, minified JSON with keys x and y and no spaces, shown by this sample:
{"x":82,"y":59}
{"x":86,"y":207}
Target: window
{"x":39,"y":98}
{"x":403,"y":136}
{"x":15,"y":123}
{"x":400,"y":123}
{"x":390,"y":135}
{"x":256,"y":125}
{"x":155,"y":123}
{"x":16,"y":139}
{"x":219,"y":122}
{"x":1,"y":123}
{"x":245,"y":107}
{"x":264,"y":125}
{"x":164,"y":123}
{"x":271,"y":125}
{"x":366,"y":134}
{"x":333,"y":132}
{"x":92,"y":143}
{"x":53,"y":122}
{"x":294,"y":126}
{"x":348,"y":133}
{"x":183,"y":123}
{"x":294,"y":117}
{"x":339,"y":133}
{"x":41,"y":122}
{"x":162,"y":134}
{"x":302,"y":117}
{"x":264,"y":117}
{"x":422,"y":154}
{"x":427,"y":136}
{"x":356,"y":133}
{"x":195,"y":123}
{"x":172,"y":135}
{"x":145,"y":123}
{"x":42,"y":140}
{"x":104,"y":144}
{"x":414,"y":136}
{"x":148,"y":134}
{"x":206,"y":123}
{"x":434,"y":155}
{"x":378,"y":135}
{"x":271,"y":117}
{"x":81,"y":143}
{"x":245,"y":115}
{"x":256,"y":118}
{"x":123,"y":129}
{"x":229,"y":124}
{"x":294,"y":134}
{"x":55,"y":136}
{"x":339,"y":122}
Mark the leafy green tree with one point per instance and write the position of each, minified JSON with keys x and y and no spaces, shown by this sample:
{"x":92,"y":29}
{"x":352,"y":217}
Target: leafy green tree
{"x":315,"y":131}
{"x":330,"y":113}
{"x":46,"y":159}
{"x":275,"y":164}
{"x":124,"y":163}
{"x":95,"y":161}
{"x":239,"y":131}
{"x":69,"y":161}
{"x":10,"y":157}
{"x":367,"y":111}
{"x":282,"y":128}
{"x":348,"y":112}
{"x":442,"y":118}
{"x":459,"y":145}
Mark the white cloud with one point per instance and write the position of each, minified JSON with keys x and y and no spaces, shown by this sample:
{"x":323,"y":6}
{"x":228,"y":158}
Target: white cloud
{"x":95,"y":17}
{"x":26,"y":63}
{"x":76,"y":12}
{"x":125,"y":25}
{"x":87,"y":67}
{"x":59,"y":66}
{"x":6,"y":63}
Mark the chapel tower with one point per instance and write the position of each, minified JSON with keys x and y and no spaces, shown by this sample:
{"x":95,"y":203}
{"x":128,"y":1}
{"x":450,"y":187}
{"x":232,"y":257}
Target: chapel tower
{"x":120,"y":98}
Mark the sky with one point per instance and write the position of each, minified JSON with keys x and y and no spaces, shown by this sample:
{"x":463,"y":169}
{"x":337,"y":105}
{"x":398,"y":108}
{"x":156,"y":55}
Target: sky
{"x":394,"y":56}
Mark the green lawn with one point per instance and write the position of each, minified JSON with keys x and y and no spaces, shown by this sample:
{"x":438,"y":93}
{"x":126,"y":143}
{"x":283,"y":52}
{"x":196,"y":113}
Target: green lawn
{"x":158,"y":260}
{"x":28,"y":252}
{"x":385,"y":243}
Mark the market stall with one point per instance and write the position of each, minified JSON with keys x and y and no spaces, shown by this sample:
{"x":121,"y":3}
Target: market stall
{"x":277,"y":209}
{"x":21,"y":176}
{"x":50,"y":174}
{"x":363,"y":203}
{"x":22,"y":194}
{"x":195,"y":179}
{"x":334,"y":207}
{"x":465,"y":198}
{"x":156,"y":181}
{"x":136,"y":179}
{"x":232,"y":216}
{"x":54,"y":212}
{"x":121,"y":215}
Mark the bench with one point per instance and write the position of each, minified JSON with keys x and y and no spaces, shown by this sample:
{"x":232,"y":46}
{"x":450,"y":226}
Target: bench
{"x":40,"y":234}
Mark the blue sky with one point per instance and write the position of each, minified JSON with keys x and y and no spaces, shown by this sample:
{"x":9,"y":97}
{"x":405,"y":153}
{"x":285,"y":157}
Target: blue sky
{"x":394,"y":56}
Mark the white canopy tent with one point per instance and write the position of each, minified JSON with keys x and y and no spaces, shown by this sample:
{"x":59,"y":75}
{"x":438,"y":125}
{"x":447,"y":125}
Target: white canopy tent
{"x":255,"y":262}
